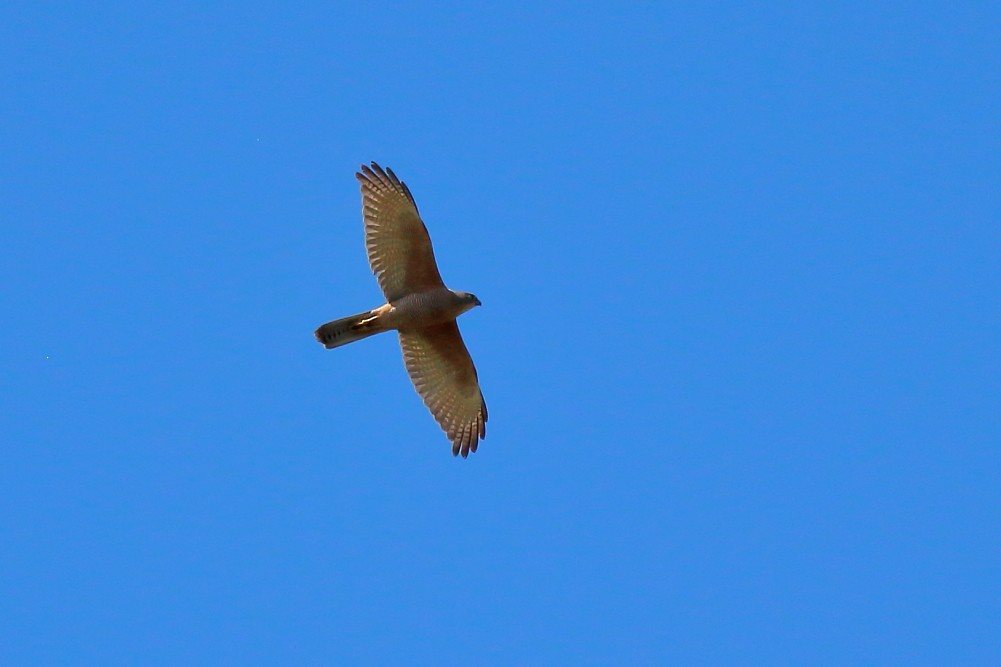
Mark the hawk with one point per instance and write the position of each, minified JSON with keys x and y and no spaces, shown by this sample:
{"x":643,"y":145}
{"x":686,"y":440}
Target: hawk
{"x":418,"y":307}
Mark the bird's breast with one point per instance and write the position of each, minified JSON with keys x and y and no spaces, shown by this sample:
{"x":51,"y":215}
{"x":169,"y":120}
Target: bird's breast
{"x":423,"y":309}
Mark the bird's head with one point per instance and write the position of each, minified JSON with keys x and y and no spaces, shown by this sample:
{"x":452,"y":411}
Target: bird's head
{"x":468,"y":300}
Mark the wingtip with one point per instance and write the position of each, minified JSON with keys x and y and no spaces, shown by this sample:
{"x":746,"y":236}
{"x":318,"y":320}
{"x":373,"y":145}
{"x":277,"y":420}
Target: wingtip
{"x":365,"y":174}
{"x":373,"y":169}
{"x":460,"y":448}
{"x":372,"y":173}
{"x":374,"y":177}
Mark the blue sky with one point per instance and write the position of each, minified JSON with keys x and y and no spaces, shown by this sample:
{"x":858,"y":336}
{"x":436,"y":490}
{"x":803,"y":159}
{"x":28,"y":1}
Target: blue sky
{"x":739,"y":340}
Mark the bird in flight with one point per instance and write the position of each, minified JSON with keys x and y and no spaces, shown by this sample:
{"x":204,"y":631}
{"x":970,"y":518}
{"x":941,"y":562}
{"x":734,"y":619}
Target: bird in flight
{"x":419,"y":307}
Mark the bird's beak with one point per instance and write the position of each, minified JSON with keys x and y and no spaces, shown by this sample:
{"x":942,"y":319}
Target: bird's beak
{"x":477,"y":301}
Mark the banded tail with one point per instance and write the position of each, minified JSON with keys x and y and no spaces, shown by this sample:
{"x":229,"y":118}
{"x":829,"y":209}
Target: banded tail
{"x":349,"y":329}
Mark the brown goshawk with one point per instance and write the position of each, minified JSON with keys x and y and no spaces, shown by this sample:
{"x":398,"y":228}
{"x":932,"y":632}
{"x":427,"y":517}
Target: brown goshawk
{"x":419,"y":307}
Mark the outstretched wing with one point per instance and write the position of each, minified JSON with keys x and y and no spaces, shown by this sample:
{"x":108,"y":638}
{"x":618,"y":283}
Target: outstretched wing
{"x":398,"y":245}
{"x":443,"y":374}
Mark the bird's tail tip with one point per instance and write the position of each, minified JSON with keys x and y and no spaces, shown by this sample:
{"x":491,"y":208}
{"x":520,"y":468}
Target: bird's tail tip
{"x":347,"y":330}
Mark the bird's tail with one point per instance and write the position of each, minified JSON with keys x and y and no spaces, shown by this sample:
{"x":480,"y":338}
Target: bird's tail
{"x":349,"y":329}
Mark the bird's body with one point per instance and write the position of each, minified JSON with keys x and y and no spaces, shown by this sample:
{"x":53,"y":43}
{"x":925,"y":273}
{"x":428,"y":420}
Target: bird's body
{"x":419,"y":307}
{"x":433,"y":306}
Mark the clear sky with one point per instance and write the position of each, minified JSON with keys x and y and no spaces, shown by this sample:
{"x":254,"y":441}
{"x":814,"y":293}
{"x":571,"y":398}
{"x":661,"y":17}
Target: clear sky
{"x":739,"y":339}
